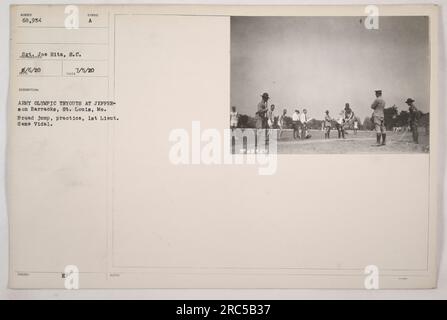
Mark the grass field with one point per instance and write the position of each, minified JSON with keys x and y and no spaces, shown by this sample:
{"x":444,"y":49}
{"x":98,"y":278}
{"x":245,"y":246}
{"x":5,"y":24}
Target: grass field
{"x":362,"y":142}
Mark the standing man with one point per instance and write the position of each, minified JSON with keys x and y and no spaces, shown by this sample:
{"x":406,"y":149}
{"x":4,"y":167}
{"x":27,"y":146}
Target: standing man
{"x":261,"y":113}
{"x":234,"y":117}
{"x":282,"y":122}
{"x":327,"y":125}
{"x":271,"y":117}
{"x":304,"y":124}
{"x":261,"y":122}
{"x":356,"y":125}
{"x":296,"y":124}
{"x":340,"y":123}
{"x":413,"y":119}
{"x":379,"y":117}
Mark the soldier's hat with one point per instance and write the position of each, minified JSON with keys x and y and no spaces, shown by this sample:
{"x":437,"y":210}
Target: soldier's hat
{"x":327,"y":111}
{"x":265,"y":95}
{"x":378,"y":91}
{"x":409,"y":100}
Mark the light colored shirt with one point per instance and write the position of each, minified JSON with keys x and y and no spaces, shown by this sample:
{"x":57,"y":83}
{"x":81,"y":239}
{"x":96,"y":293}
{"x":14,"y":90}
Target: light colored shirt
{"x":233,"y":117}
{"x":296,"y":116}
{"x":327,"y":120}
{"x":378,"y":106}
{"x":341,"y":119}
{"x":303,"y":118}
{"x":270,"y":118}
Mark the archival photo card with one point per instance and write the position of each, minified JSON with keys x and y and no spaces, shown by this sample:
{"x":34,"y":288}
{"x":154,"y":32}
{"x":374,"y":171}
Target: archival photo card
{"x":158,"y":146}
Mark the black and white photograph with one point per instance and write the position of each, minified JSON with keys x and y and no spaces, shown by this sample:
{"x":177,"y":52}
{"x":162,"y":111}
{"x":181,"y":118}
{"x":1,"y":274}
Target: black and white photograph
{"x":331,"y":84}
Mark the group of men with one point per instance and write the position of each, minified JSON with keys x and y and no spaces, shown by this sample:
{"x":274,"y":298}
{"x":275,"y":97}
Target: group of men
{"x":378,"y":118}
{"x":300,"y":123}
{"x":345,"y":120}
{"x":265,"y":119}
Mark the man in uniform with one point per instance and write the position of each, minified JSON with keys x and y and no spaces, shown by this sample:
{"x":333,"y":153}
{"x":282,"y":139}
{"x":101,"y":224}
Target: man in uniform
{"x":413,"y":119}
{"x":261,"y":122}
{"x":261,"y":113}
{"x":327,"y":124}
{"x":378,"y":117}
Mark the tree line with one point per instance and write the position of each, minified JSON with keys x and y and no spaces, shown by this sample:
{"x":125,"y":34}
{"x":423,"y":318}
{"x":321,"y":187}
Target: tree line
{"x":393,"y":118}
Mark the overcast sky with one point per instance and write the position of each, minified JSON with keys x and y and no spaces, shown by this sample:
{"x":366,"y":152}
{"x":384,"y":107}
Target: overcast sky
{"x":321,"y":63}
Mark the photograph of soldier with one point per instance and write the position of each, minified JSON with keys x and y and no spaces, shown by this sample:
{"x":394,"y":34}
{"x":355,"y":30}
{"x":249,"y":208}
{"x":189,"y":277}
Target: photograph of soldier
{"x":296,"y":124}
{"x":327,"y":125}
{"x":378,"y":117}
{"x":413,"y":119}
{"x":262,"y":123}
{"x":261,"y":113}
{"x":234,"y":117}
